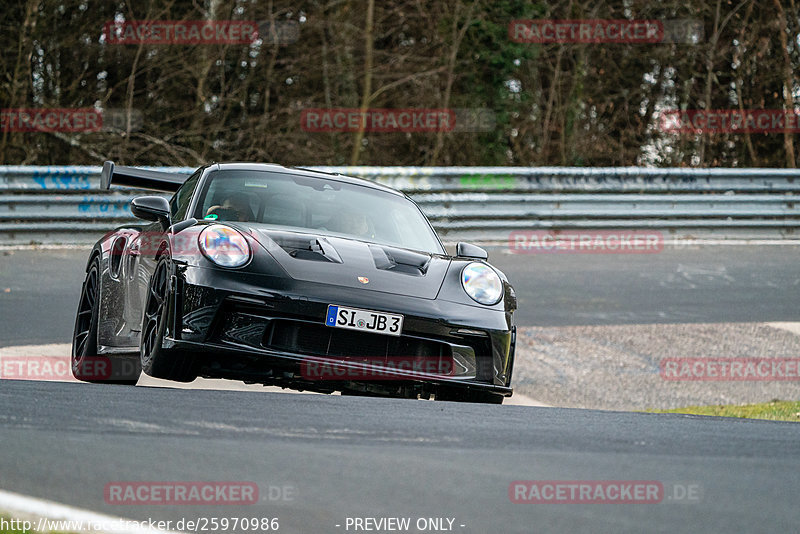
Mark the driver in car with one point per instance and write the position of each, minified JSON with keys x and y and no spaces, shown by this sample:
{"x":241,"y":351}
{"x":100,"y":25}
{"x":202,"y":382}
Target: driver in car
{"x":235,"y":207}
{"x":355,"y":224}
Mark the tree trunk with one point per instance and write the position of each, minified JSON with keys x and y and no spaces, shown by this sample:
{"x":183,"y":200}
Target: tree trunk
{"x":367,"y":89}
{"x":788,"y":84}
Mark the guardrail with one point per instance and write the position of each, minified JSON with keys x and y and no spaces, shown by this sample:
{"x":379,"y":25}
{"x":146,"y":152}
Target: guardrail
{"x":64,"y":204}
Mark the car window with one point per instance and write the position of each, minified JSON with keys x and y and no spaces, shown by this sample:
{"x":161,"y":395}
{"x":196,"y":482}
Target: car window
{"x":179,"y":204}
{"x":316,"y":204}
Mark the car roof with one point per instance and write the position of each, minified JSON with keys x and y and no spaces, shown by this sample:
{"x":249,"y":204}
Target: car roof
{"x":297,"y":171}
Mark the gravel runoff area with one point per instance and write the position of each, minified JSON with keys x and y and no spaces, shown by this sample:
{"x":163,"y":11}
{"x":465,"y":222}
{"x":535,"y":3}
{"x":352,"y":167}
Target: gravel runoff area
{"x":620,"y":367}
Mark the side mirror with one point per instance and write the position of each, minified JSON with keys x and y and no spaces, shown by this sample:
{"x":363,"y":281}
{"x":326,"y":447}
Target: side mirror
{"x":151,"y":208}
{"x":468,"y":250}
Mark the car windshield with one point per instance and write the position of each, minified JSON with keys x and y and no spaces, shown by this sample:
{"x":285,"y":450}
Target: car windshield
{"x":316,"y":204}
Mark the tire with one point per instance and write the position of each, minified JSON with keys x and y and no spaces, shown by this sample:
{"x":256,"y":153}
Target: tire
{"x":86,"y":364}
{"x":155,"y":360}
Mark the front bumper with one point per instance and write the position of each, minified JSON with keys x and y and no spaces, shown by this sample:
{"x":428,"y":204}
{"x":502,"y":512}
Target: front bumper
{"x":265,"y":329}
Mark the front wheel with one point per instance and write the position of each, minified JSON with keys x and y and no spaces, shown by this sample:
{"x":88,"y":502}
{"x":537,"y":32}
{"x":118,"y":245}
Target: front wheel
{"x":156,"y":361}
{"x":86,"y":364}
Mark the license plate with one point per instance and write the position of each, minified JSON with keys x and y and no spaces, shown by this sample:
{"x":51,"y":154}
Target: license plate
{"x":364,"y":320}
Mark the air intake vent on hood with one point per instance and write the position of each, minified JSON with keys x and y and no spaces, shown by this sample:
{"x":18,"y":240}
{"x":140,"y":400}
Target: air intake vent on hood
{"x":306,"y":247}
{"x":399,"y":260}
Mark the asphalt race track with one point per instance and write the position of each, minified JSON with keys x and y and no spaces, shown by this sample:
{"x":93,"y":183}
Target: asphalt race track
{"x":713,"y":284}
{"x":319,"y":460}
{"x":359,"y":457}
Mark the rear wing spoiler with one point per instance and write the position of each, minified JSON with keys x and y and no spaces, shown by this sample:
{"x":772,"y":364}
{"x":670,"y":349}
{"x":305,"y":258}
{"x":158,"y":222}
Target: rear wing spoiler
{"x":140,"y":178}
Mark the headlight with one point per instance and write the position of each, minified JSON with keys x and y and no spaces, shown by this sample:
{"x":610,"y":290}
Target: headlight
{"x":482,"y":283}
{"x":224,"y":246}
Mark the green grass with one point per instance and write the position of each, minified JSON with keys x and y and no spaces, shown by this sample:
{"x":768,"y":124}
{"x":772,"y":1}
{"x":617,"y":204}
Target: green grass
{"x":776,"y":410}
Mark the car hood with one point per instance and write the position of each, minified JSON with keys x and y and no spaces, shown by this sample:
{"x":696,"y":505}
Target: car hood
{"x":355,"y":264}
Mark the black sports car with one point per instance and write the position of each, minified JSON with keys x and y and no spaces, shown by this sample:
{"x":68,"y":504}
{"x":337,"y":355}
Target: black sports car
{"x":291,"y":277}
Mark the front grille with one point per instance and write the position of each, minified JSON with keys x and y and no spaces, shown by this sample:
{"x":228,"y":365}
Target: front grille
{"x":319,"y":340}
